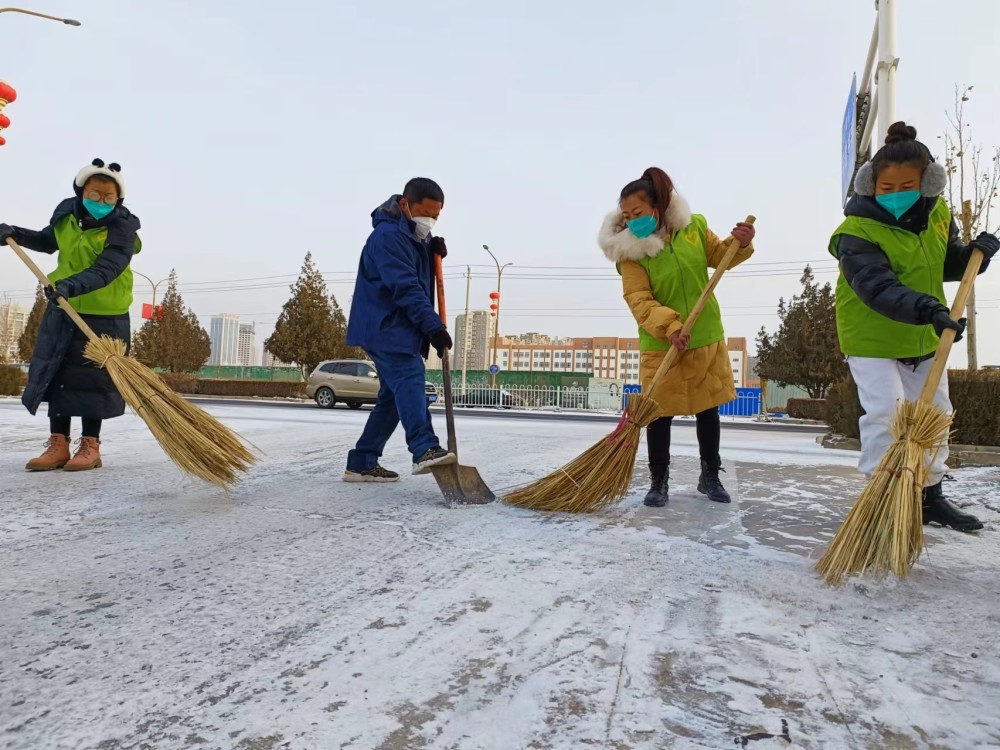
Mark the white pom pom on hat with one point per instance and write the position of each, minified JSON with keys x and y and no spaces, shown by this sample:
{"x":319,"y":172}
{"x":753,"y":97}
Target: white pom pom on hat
{"x":96,"y":167}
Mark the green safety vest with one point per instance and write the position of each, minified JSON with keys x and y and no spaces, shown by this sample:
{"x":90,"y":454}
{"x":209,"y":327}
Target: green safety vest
{"x":78,"y":250}
{"x":677,"y":275}
{"x":918,"y":261}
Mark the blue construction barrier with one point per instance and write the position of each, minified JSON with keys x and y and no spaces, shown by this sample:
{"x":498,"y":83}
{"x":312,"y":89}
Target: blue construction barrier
{"x":747,"y":404}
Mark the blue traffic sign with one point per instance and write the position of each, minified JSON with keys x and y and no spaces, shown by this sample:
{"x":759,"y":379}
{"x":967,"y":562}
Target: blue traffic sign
{"x":849,"y":143}
{"x":494,"y":369}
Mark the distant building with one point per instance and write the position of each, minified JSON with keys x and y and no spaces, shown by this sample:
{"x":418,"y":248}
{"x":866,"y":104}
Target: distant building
{"x":224,"y":334}
{"x":13,"y":320}
{"x":269,"y":360}
{"x":738,"y":360}
{"x":473,"y":339}
{"x":247,"y":345}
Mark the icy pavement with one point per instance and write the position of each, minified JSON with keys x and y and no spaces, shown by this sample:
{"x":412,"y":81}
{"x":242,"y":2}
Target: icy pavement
{"x":139,"y":609}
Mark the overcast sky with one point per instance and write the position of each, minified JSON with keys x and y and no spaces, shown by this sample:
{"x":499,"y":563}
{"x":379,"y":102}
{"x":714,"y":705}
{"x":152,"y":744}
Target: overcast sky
{"x":252,"y":132}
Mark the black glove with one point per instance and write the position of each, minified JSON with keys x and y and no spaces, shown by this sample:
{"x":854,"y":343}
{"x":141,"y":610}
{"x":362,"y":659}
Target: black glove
{"x":61,"y":289}
{"x":438,"y":247}
{"x":942,"y":321}
{"x":987,"y":243}
{"x":441,"y":341}
{"x":6,"y":230}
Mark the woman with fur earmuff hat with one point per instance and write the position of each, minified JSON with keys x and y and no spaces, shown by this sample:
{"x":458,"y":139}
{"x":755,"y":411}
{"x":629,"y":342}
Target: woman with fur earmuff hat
{"x":896,"y":248}
{"x":94,"y":238}
{"x":663,"y":253}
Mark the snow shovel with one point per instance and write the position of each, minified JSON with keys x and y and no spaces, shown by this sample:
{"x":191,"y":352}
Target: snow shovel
{"x":460,"y":485}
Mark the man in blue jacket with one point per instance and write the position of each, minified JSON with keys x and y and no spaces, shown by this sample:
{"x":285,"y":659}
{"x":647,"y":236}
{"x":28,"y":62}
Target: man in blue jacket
{"x":394,"y":321}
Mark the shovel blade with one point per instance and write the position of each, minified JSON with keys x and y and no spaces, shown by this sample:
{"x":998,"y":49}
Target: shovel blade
{"x":462,"y":485}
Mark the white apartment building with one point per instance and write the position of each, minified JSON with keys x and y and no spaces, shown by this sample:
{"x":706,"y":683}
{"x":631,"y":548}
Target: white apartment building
{"x":473,"y":339}
{"x":269,"y":360}
{"x":224,"y":334}
{"x":13,"y":319}
{"x":247,"y":345}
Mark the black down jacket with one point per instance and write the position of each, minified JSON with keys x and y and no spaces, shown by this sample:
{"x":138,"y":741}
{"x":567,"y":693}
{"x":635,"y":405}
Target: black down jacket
{"x":72,"y":385}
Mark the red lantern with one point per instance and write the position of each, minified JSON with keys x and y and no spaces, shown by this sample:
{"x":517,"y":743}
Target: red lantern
{"x":7,"y":94}
{"x":494,"y":295}
{"x":494,"y":307}
{"x":493,"y":314}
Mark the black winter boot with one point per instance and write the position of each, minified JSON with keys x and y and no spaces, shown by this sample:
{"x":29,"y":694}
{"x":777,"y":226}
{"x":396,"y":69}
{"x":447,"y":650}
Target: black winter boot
{"x":937,"y":509}
{"x":710,"y":484}
{"x":658,"y":495}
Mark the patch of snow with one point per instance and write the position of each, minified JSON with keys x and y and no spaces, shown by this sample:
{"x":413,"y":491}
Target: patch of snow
{"x":141,"y":608}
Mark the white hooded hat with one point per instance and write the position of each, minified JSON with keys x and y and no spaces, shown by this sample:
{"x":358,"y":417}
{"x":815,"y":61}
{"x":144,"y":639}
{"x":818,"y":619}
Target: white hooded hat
{"x":96,"y":167}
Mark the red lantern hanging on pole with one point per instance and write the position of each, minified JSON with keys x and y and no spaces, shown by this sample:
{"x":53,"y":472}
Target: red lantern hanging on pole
{"x":494,"y":307}
{"x":494,"y":296}
{"x":7,"y":95}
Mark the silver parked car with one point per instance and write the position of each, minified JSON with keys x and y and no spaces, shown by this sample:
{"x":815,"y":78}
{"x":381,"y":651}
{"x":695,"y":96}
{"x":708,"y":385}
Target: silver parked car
{"x":350,"y":381}
{"x":353,"y":382}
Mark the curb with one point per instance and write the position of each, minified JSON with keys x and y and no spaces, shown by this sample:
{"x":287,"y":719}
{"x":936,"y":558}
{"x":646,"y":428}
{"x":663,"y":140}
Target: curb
{"x":959,"y":455}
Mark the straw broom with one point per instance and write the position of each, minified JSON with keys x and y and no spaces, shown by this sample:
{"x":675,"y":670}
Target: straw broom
{"x":602,"y":475}
{"x":884,"y":530}
{"x":199,"y":444}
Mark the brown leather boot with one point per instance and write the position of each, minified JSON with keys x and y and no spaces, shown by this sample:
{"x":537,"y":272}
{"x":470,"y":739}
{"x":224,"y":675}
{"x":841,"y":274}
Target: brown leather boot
{"x":56,"y":455}
{"x":87,"y":456}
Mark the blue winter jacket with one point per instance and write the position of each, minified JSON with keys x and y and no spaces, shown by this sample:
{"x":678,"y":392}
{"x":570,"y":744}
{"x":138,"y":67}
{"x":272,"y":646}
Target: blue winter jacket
{"x":393,"y":305}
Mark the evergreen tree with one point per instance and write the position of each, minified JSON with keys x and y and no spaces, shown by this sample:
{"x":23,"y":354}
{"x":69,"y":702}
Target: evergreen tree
{"x":173,"y":339}
{"x":311,"y":327}
{"x":26,"y":343}
{"x":805,"y":351}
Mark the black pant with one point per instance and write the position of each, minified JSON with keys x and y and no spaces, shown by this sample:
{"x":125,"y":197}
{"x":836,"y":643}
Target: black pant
{"x":60,"y":426}
{"x":709,"y":431}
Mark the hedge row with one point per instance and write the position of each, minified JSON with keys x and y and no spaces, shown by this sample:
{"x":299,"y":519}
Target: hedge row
{"x":806,"y":408}
{"x":975,"y":397}
{"x":190,"y":384}
{"x":12,"y":380}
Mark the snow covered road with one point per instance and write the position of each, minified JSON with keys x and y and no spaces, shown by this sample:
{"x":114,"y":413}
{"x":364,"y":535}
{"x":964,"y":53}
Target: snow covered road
{"x":139,"y":609}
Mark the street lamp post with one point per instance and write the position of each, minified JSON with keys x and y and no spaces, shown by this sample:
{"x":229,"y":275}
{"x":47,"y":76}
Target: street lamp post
{"x":496,"y":301}
{"x":7,"y":94}
{"x":67,"y":21}
{"x":157,"y":284}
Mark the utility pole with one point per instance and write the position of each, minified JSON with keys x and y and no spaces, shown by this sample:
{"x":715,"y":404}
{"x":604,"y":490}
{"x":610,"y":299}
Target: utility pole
{"x":970,"y":308}
{"x":465,"y":343}
{"x":888,"y":62}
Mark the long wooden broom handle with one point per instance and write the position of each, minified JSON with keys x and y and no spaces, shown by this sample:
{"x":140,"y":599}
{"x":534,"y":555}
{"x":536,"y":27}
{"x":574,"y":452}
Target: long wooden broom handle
{"x":44,"y":281}
{"x":439,"y":278}
{"x":672,"y":354}
{"x":948,"y":337}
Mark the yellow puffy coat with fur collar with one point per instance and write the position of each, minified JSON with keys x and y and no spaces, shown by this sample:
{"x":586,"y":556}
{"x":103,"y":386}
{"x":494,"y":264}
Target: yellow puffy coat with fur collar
{"x":703,"y":377}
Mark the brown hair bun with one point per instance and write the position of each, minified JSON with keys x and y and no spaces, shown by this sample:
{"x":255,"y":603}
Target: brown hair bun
{"x":899,"y":132}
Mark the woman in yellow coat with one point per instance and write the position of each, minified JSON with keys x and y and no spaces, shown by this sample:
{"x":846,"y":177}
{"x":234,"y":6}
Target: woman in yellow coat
{"x":663,"y":253}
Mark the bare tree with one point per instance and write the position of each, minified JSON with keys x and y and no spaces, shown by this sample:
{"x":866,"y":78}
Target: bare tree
{"x":973,"y":186}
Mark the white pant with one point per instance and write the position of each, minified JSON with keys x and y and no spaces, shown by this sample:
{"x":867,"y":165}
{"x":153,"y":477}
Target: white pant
{"x":882,"y":384}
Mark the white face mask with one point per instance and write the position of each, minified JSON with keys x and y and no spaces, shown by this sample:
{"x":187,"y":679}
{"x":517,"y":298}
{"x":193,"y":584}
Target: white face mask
{"x":424,"y":225}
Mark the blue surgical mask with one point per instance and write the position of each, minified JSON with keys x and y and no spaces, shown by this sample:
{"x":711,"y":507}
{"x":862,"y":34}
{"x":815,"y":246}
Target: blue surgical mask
{"x":643,"y":226}
{"x":97,"y":210}
{"x":898,"y":203}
